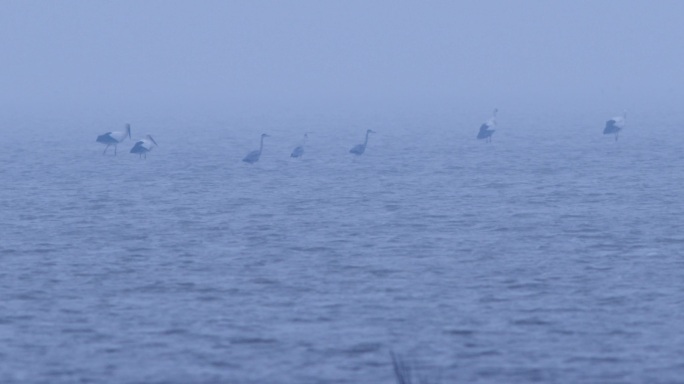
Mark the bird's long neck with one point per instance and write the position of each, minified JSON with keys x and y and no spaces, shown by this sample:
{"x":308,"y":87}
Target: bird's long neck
{"x":261,"y":145}
{"x":366,"y":141}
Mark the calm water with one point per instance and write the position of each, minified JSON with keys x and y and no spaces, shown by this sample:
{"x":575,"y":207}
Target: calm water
{"x":551,"y":257}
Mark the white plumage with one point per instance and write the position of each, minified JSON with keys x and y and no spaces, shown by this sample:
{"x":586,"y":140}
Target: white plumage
{"x":142,"y":147}
{"x":114,"y":138}
{"x":486,"y":130}
{"x":615,"y":125}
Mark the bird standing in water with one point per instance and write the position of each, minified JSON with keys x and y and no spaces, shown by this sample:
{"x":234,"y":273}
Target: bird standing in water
{"x":615,"y":125}
{"x":143,"y":146}
{"x":114,"y":138}
{"x":486,"y":130}
{"x":253,"y":156}
{"x":359,"y":149}
{"x":299,"y":150}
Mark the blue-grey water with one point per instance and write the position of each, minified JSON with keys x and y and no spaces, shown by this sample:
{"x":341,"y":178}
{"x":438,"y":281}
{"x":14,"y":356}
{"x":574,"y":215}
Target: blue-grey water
{"x":553,"y":254}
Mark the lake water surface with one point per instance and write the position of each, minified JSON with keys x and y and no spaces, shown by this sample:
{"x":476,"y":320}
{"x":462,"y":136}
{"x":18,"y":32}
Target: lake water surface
{"x":551,"y":255}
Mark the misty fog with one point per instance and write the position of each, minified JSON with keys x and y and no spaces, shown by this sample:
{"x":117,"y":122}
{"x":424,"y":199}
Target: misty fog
{"x":213,"y":242}
{"x":129,"y":59}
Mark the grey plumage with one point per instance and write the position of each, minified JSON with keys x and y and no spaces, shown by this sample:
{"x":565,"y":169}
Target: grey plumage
{"x":254,"y":156}
{"x":359,"y":149}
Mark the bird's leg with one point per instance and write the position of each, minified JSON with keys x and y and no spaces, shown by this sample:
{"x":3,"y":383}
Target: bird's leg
{"x":105,"y":151}
{"x":616,"y":136}
{"x":115,"y":150}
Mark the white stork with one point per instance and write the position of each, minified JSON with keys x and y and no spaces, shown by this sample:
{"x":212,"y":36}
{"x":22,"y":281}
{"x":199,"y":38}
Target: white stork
{"x":143,"y":146}
{"x":114,"y":138}
{"x":615,"y":125}
{"x":486,"y":130}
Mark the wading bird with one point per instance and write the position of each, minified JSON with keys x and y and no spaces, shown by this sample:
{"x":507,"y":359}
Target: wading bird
{"x":114,"y":138}
{"x":143,"y":146}
{"x":615,"y":125}
{"x":485,"y":129}
{"x":359,"y":149}
{"x":299,"y":150}
{"x":253,"y":156}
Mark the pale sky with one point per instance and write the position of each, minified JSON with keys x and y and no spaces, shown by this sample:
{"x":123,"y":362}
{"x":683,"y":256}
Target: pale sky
{"x":215,"y":57}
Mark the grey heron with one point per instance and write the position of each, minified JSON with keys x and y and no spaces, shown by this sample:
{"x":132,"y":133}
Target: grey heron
{"x":253,"y":156}
{"x":359,"y":149}
{"x":299,"y":150}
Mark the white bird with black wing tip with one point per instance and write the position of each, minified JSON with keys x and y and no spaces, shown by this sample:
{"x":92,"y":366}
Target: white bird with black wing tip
{"x":615,"y":125}
{"x":114,"y":138}
{"x":486,"y":130}
{"x":142,"y":147}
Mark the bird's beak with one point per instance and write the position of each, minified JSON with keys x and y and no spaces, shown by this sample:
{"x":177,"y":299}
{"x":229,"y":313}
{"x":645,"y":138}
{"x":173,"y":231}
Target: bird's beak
{"x":155,"y":143}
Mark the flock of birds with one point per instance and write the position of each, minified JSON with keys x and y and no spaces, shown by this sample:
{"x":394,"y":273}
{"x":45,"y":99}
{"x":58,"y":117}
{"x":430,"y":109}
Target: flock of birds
{"x":143,"y":146}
